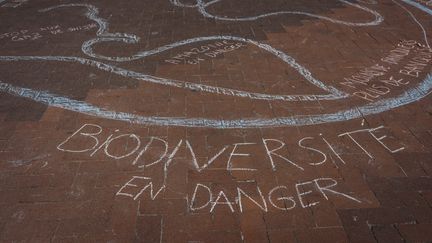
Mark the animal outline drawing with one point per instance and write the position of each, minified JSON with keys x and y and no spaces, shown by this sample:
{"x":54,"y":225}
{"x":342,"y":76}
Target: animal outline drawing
{"x":103,"y":35}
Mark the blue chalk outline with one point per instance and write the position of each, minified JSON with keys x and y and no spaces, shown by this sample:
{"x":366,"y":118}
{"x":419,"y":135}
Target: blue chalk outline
{"x":419,"y":6}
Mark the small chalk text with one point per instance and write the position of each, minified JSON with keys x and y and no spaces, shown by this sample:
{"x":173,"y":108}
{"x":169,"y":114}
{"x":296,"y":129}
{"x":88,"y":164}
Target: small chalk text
{"x":199,"y":54}
{"x":398,"y":69}
{"x":12,"y":3}
{"x":29,"y":35}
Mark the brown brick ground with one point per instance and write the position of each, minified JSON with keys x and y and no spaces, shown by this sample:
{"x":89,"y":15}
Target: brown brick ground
{"x":67,"y":176}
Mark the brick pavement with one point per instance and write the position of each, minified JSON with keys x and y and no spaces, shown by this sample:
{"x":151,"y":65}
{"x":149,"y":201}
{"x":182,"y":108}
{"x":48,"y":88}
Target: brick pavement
{"x":215,"y":121}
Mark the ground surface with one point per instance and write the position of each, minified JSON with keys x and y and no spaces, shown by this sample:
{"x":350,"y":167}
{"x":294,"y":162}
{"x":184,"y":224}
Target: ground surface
{"x":215,"y":121}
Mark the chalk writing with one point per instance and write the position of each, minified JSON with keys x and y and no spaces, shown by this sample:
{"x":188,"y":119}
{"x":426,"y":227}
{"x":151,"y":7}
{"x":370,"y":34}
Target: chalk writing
{"x":22,"y":35}
{"x":365,"y":76}
{"x":13,"y":3}
{"x":418,"y":63}
{"x":398,"y":54}
{"x":104,"y":35}
{"x":198,"y":54}
{"x":277,"y":197}
{"x":142,"y":189}
{"x":88,"y":140}
{"x":374,"y":82}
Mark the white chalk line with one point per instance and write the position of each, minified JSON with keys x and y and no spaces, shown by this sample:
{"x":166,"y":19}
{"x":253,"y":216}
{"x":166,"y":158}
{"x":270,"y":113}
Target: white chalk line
{"x":85,"y":108}
{"x":105,"y":36}
{"x":419,"y":6}
{"x":44,"y":97}
{"x":415,"y":20}
{"x":183,"y":84}
{"x":202,"y":8}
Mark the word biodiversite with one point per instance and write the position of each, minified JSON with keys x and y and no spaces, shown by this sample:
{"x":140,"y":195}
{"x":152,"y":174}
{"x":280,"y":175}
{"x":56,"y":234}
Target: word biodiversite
{"x":150,"y":151}
{"x":88,"y":140}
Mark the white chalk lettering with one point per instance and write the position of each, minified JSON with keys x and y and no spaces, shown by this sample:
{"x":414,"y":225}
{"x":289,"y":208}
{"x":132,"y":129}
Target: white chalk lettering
{"x":216,"y":202}
{"x":303,"y":193}
{"x":262,"y":206}
{"x":210,"y":197}
{"x":80,"y":132}
{"x":324,"y":159}
{"x":233,"y":153}
{"x":271,"y":153}
{"x":148,"y":185}
{"x":325,"y":189}
{"x":284,"y":198}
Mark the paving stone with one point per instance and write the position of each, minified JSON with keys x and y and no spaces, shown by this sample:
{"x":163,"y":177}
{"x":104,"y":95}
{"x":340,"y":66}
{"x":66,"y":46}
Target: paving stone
{"x":215,"y":121}
{"x":323,"y":235}
{"x":387,"y":234}
{"x":359,"y":234}
{"x":416,"y":232}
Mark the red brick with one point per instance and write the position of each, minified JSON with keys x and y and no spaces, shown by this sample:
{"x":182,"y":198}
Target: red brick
{"x":202,"y":236}
{"x":22,"y":229}
{"x":253,"y":220}
{"x":359,"y":234}
{"x":83,"y":226}
{"x":353,"y":217}
{"x":149,"y":228}
{"x":52,"y":195}
{"x":388,"y":216}
{"x":386,"y":233}
{"x":162,"y":206}
{"x":296,"y":218}
{"x":321,"y":235}
{"x":416,"y":232}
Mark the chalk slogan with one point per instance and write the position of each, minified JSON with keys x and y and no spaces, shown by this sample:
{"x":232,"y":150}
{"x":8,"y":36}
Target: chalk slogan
{"x":324,"y":186}
{"x":199,"y":54}
{"x":24,"y":34}
{"x":140,"y":152}
{"x":12,"y":3}
{"x":365,"y":85}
